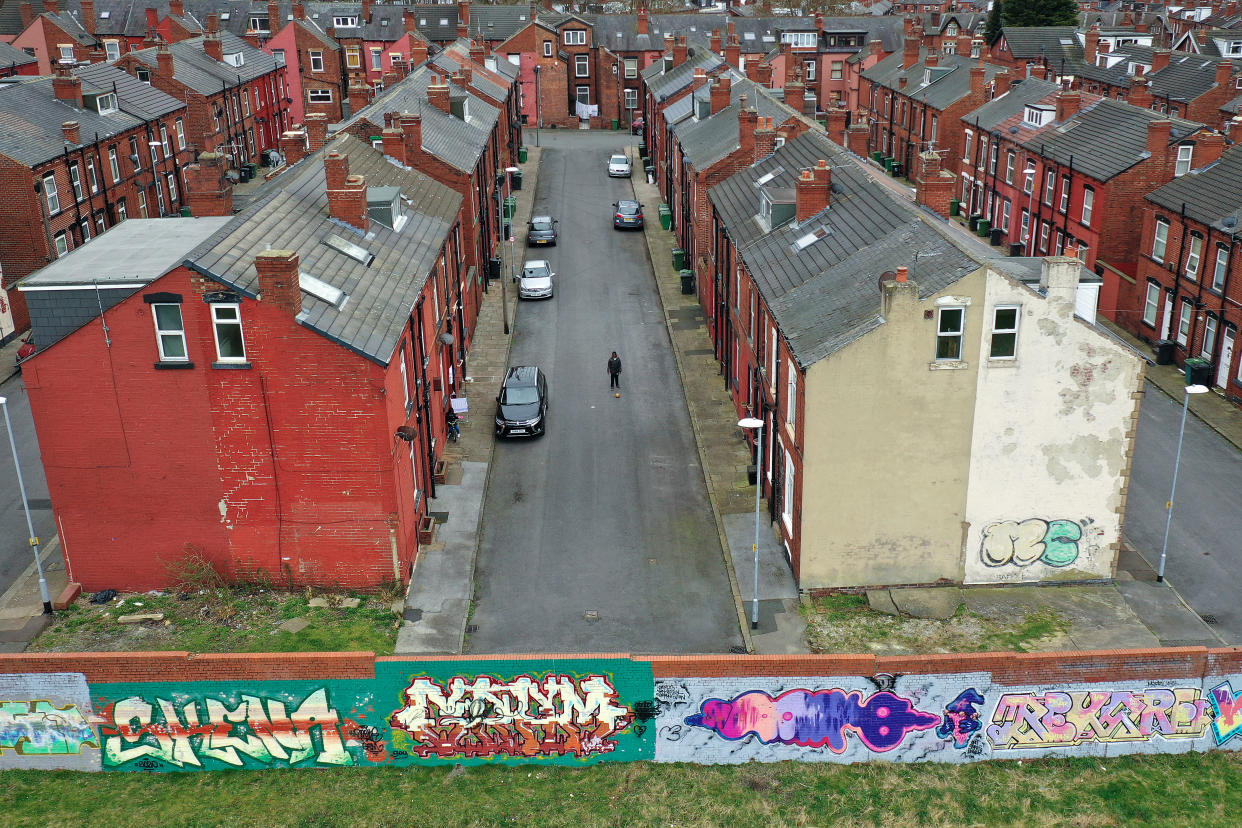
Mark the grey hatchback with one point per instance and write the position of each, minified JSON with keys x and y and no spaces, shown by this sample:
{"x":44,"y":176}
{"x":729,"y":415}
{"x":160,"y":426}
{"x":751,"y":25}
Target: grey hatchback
{"x":627,"y":214}
{"x":522,"y":405}
{"x":542,"y":230}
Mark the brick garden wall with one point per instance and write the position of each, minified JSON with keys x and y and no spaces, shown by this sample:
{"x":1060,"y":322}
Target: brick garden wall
{"x":176,"y":711}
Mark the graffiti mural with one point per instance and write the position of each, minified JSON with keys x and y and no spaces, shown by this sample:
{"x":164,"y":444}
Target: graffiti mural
{"x":1051,"y":542}
{"x":815,"y":718}
{"x":1228,"y":709}
{"x":1067,"y":718}
{"x":45,"y":722}
{"x":524,"y":717}
{"x":252,"y":731}
{"x":961,"y":719}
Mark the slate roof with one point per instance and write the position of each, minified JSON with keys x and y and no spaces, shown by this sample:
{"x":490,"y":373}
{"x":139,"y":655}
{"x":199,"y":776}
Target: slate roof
{"x":382,"y":295}
{"x":663,"y":85}
{"x":458,"y":143}
{"x":826,"y":295}
{"x":707,"y":141}
{"x":1013,"y":102}
{"x":1057,"y":44}
{"x":435,"y":22}
{"x":949,"y":80}
{"x":133,"y":96}
{"x":10,"y":55}
{"x":138,"y":250}
{"x":205,"y":75}
{"x":312,"y":28}
{"x":495,"y":22}
{"x":31,"y":116}
{"x":1210,"y":194}
{"x":478,"y":79}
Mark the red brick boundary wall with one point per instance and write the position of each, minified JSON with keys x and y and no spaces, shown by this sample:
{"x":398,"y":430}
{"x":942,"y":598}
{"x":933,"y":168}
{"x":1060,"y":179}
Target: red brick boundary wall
{"x":178,"y":711}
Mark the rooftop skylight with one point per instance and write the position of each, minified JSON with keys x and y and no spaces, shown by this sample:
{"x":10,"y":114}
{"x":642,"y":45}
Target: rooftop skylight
{"x":322,"y":290}
{"x":810,"y":238}
{"x":766,"y":177}
{"x":353,"y":251}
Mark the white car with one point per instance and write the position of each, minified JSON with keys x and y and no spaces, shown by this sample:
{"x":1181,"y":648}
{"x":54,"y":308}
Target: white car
{"x":618,"y":166}
{"x":536,"y":280}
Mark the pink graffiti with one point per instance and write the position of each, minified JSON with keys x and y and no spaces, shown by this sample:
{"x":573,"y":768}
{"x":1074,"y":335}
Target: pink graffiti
{"x":815,"y":718}
{"x":1064,"y":719}
{"x":1228,"y":708}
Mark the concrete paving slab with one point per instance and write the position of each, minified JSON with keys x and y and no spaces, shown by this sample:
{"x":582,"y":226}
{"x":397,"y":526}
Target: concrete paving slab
{"x":881,"y":600}
{"x":789,"y":635}
{"x":1169,"y":619}
{"x":927,"y":602}
{"x":775,"y":578}
{"x":1099,"y":617}
{"x":294,"y":625}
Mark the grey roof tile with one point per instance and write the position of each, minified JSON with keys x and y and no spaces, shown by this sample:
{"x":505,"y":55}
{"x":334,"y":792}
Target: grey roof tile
{"x":205,"y":75}
{"x":939,"y":87}
{"x":1210,"y":194}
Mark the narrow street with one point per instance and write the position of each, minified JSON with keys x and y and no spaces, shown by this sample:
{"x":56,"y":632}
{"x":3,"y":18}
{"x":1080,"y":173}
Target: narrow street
{"x":1205,"y":554}
{"x":598,"y":537}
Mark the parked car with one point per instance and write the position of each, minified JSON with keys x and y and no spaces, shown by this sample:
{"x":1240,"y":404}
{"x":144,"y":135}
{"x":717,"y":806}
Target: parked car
{"x":619,"y":166}
{"x":541,"y":230}
{"x":627,"y":214}
{"x":636,"y":128}
{"x":536,"y":280}
{"x":522,"y":405}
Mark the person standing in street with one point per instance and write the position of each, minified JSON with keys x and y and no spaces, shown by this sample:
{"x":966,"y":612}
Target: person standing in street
{"x":614,"y":370}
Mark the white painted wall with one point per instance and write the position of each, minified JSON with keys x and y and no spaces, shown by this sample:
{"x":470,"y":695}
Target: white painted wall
{"x":1052,"y":439}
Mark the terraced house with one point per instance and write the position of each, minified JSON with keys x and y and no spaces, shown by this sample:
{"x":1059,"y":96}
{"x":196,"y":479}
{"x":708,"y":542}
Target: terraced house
{"x":80,"y":152}
{"x":832,"y":283}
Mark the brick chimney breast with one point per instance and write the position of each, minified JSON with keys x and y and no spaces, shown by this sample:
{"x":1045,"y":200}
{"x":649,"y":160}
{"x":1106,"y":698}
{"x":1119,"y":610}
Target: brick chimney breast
{"x":67,"y":87}
{"x":1224,"y":73}
{"x":176,"y":8}
{"x":1158,"y":134}
{"x":813,"y":191}
{"x":316,"y":130}
{"x":335,"y":170}
{"x":438,"y":96}
{"x":89,"y":21}
{"x":411,"y":124}
{"x":51,"y":6}
{"x":720,"y":94}
{"x":163,"y":61}
{"x":1092,"y":44}
{"x":27,"y":10}
{"x":207,"y":191}
{"x":642,"y":21}
{"x":71,"y":131}
{"x":213,"y":47}
{"x":1067,"y":104}
{"x":293,"y":146}
{"x":278,"y":279}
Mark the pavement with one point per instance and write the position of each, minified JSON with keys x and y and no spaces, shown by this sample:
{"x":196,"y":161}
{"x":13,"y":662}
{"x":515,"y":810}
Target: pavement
{"x":1132,"y":611}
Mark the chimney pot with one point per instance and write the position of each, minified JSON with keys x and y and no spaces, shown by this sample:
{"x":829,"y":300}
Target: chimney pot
{"x":903,"y":274}
{"x":71,"y":131}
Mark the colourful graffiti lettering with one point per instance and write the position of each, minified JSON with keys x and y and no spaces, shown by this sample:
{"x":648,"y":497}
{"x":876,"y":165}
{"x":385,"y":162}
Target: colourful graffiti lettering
{"x":1054,"y":542}
{"x":483,"y":716}
{"x":815,"y":718}
{"x":1065,"y":719}
{"x":961,"y":718}
{"x":1228,"y":708}
{"x":258,"y":729}
{"x":39,"y":728}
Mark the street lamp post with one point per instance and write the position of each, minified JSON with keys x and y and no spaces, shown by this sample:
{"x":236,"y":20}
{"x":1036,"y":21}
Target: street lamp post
{"x":538,"y":112}
{"x":1168,"y":521}
{"x":509,"y":171}
{"x":21,"y":487}
{"x":500,"y":228}
{"x":756,"y":424}
{"x":1029,"y":174}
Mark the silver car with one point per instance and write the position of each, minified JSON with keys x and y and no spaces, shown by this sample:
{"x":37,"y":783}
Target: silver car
{"x":619,"y":166}
{"x":536,"y":280}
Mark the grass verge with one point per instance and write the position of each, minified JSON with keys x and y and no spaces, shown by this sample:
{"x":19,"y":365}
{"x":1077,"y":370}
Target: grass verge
{"x":1169,"y":790}
{"x":843,"y":623}
{"x":239,"y":620}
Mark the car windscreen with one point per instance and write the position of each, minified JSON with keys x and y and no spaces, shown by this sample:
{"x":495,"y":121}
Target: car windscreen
{"x":541,"y":224}
{"x":629,"y":209}
{"x":519,"y":395}
{"x":537,"y":272}
{"x":618,"y":159}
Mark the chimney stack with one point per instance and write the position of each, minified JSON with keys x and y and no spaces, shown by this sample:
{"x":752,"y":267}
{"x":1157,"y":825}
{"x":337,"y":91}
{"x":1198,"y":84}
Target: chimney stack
{"x":733,"y":53}
{"x":89,"y":21}
{"x":438,"y":96}
{"x":51,"y":6}
{"x":813,"y":191}
{"x":163,"y":61}
{"x":176,"y":8}
{"x":1092,"y":45}
{"x":910,"y":54}
{"x":680,"y":51}
{"x":213,"y":24}
{"x":1058,"y":280}
{"x":347,"y":194}
{"x":1224,"y":73}
{"x":278,"y":279}
{"x":67,"y":87}
{"x":643,"y":21}
{"x":932,"y":60}
{"x":1208,"y":149}
{"x":293,"y":146}
{"x":717,"y":42}
{"x":478,"y":52}
{"x":316,"y":130}
{"x":978,"y":75}
{"x":299,"y":11}
{"x":795,"y":95}
{"x":409,"y":20}
{"x":836,"y":122}
{"x":763,"y":74}
{"x":208,"y":192}
{"x":274,"y":20}
{"x":71,"y":131}
{"x":27,"y":15}
{"x":1139,"y":94}
{"x":1068,"y":103}
{"x":903,"y":274}
{"x":1158,"y":133}
{"x":765,"y":139}
{"x":747,"y":123}
{"x":720,"y":94}
{"x":418,"y":51}
{"x":213,"y":47}
{"x":1000,"y":83}
{"x":1160,"y":59}
{"x":411,"y":125}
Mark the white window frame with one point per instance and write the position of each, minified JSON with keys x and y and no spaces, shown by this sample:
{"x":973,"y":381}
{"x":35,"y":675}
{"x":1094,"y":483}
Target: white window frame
{"x":114,"y":165}
{"x":808,"y":70}
{"x":62,"y":243}
{"x":547,"y":48}
{"x":217,"y":323}
{"x":997,"y":329}
{"x":51,"y":195}
{"x":581,"y":98}
{"x":582,"y":66}
{"x":1065,"y":193}
{"x":791,"y":393}
{"x":316,"y":57}
{"x":164,"y":140}
{"x":171,"y":178}
{"x":788,"y":499}
{"x":179,"y":129}
{"x":377,"y":60}
{"x":1221,"y":267}
{"x":75,"y":181}
{"x":1160,"y":241}
{"x":1194,"y":256}
{"x":122,"y":212}
{"x":1088,"y":205}
{"x":1050,"y":186}
{"x":1011,"y":160}
{"x":575,"y":37}
{"x":1151,"y":304}
{"x":176,"y":333}
{"x":325,"y":95}
{"x":950,"y":335}
{"x":967,"y":141}
{"x":112,"y":50}
{"x":353,"y":57}
{"x":631,"y":67}
{"x":91,"y":175}
{"x":631,"y":99}
{"x":1184,"y":154}
{"x":1209,"y":336}
{"x":142,"y":203}
{"x":1183,"y":322}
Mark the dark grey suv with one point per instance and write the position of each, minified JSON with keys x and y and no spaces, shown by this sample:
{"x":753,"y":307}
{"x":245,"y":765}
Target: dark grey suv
{"x":522,"y":406}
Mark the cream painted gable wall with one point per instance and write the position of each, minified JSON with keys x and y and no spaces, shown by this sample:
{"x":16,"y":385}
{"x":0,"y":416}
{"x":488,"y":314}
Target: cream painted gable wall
{"x":886,"y":452}
{"x":1052,"y":441}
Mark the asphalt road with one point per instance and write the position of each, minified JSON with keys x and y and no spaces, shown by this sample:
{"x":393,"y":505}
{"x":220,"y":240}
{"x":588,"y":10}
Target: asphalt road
{"x":1204,"y":559}
{"x":598,"y":537}
{"x":15,"y":553}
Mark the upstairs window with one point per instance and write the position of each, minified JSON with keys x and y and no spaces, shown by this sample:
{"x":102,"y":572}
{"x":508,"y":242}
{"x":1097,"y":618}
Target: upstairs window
{"x":170,"y":332}
{"x":260,"y":23}
{"x":950,"y":327}
{"x":226,"y":320}
{"x":1184,"y":153}
{"x":1161,"y":240}
{"x":1088,"y":205}
{"x":1004,"y":343}
{"x":575,"y":37}
{"x":1193,"y":256}
{"x":316,"y":61}
{"x":345,"y":22}
{"x":1222,"y":265}
{"x":51,"y":195}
